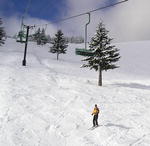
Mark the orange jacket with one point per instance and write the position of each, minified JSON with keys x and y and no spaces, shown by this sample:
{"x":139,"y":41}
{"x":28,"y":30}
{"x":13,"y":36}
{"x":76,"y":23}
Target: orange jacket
{"x":95,"y":111}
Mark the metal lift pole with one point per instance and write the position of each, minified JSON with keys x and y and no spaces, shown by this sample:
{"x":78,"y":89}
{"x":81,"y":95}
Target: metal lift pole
{"x":86,"y":29}
{"x":25,"y":51}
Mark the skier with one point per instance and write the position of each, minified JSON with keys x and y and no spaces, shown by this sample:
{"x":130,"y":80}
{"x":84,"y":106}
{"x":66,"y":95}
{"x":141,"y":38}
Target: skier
{"x":95,"y":117}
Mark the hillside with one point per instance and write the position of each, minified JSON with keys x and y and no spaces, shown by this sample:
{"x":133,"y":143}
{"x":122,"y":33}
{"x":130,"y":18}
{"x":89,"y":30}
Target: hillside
{"x":49,"y":102}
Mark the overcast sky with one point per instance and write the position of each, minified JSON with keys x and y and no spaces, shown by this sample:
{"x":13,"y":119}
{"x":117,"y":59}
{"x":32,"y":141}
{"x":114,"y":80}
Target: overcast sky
{"x":129,"y":21}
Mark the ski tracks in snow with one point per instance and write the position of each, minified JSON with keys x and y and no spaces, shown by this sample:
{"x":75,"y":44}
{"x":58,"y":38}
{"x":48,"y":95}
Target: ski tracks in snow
{"x":47,"y":104}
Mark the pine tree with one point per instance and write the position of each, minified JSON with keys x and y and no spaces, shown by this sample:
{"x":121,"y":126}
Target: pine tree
{"x":104,"y":54}
{"x":48,"y":38}
{"x":36,"y":36}
{"x":2,"y":33}
{"x":40,"y":37}
{"x":43,"y":37}
{"x":59,"y":44}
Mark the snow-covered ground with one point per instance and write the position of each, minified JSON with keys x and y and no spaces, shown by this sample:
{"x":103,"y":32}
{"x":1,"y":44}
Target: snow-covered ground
{"x":49,"y":102}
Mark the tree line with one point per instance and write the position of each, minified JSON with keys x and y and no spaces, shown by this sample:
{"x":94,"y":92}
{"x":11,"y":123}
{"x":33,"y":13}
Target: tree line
{"x":41,"y":38}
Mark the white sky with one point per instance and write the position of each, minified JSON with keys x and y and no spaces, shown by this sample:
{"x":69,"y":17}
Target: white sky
{"x":126,"y":22}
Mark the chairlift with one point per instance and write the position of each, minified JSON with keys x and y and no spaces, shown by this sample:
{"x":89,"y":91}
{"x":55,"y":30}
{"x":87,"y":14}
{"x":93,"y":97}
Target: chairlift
{"x":85,"y":51}
{"x":21,"y":37}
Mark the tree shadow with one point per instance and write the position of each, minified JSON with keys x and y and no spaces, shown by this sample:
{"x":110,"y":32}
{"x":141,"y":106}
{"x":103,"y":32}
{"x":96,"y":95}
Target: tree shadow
{"x":133,"y":85}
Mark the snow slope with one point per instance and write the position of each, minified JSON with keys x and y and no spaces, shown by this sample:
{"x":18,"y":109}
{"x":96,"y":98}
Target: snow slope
{"x":49,"y":102}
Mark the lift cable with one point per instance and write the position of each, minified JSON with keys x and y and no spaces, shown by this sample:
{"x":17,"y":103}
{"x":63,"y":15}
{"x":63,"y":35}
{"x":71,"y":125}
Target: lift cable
{"x":25,"y":13}
{"x":27,"y":8}
{"x":81,"y":14}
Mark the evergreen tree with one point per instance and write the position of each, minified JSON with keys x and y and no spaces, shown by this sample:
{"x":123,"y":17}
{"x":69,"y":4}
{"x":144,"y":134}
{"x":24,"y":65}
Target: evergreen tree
{"x":59,"y":44}
{"x":43,"y":37}
{"x":104,"y":54}
{"x":37,"y":36}
{"x":40,"y":37}
{"x":48,"y":38}
{"x":2,"y":33}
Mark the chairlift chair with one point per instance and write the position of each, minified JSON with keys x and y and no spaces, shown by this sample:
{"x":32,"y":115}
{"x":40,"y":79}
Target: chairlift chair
{"x":21,"y":37}
{"x":85,"y":51}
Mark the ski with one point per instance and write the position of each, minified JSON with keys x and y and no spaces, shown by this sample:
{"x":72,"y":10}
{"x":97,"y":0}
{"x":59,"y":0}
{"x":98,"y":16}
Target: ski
{"x":92,"y":128}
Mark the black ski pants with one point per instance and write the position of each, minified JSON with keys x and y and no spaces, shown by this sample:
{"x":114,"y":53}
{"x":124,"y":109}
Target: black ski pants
{"x":95,"y":120}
